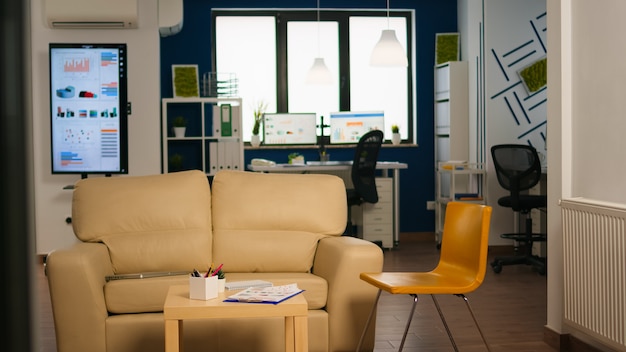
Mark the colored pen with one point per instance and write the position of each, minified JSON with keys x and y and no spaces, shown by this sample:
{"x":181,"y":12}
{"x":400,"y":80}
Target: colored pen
{"x":216,"y":270}
{"x":208,"y":273}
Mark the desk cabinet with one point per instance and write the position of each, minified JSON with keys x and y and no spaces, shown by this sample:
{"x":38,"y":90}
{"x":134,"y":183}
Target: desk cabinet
{"x":212,"y":140}
{"x":377,"y":218}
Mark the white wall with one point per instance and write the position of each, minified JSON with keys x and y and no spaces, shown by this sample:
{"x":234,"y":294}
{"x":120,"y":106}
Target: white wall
{"x":587,"y":101}
{"x":598,"y":121}
{"x":499,"y":37}
{"x":52,"y":203}
{"x":559,"y":101}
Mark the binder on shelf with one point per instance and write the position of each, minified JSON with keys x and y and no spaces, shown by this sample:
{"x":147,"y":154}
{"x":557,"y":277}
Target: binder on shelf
{"x":213,"y":157}
{"x":217,"y":124}
{"x":235,"y":123}
{"x":221,"y":156}
{"x":232,"y":154}
{"x":235,"y":155}
{"x":226,"y":119}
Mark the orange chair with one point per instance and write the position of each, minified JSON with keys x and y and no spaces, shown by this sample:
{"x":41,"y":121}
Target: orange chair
{"x":461,"y":268}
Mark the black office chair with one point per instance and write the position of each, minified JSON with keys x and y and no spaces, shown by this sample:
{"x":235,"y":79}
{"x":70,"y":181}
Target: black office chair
{"x":518,"y":169}
{"x":363,"y":174}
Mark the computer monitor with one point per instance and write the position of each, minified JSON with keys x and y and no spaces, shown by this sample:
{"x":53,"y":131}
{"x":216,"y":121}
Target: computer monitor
{"x":349,"y":126}
{"x":289,"y":128}
{"x":88,"y":108}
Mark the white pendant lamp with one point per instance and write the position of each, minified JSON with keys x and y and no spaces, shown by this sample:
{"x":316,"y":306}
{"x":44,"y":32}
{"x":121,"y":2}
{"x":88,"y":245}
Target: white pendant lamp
{"x":319,"y":72}
{"x":388,"y":52}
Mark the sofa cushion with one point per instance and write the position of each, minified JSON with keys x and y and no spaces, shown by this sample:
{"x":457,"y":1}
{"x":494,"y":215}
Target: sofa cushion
{"x":149,"y":223}
{"x":243,"y":200}
{"x":148,"y":295}
{"x":259,"y":224}
{"x":265,"y":251}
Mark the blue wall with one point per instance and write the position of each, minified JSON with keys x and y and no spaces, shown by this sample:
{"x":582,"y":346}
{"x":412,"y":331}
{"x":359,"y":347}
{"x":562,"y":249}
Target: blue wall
{"x":417,"y":183}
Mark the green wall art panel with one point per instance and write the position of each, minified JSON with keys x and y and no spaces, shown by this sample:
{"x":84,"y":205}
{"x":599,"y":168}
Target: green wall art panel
{"x":535,"y":75}
{"x":185,"y":81}
{"x":447,"y":48}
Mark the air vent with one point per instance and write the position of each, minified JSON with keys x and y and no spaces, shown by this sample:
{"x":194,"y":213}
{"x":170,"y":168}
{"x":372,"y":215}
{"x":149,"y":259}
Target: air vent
{"x":74,"y":14}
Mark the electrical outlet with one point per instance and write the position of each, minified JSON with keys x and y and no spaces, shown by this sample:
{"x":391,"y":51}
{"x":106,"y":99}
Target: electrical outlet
{"x":430,"y":205}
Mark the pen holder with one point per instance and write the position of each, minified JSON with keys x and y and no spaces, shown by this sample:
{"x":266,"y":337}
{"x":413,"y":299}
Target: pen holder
{"x":203,"y":288}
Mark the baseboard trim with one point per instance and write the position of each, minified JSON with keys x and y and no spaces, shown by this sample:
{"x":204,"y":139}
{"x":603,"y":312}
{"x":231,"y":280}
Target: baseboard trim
{"x":421,"y":237}
{"x":554,"y":339}
{"x":567,"y":342}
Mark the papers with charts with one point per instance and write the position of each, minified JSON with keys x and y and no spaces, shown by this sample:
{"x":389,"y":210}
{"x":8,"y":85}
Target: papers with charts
{"x":273,"y":294}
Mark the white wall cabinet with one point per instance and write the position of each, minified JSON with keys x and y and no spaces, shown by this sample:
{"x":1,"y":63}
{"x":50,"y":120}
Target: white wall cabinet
{"x":212,"y":140}
{"x":451,"y":133}
{"x":451,"y":112}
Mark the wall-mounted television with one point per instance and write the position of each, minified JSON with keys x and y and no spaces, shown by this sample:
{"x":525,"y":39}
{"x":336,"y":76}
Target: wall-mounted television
{"x":349,"y":126}
{"x":289,"y":128}
{"x":88,"y":108}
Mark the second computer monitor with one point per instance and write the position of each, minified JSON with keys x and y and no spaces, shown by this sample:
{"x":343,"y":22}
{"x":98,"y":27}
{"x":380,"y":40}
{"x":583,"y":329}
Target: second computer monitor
{"x":289,"y":128}
{"x":349,"y":126}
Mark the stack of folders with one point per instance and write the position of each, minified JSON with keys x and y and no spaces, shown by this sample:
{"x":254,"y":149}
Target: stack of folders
{"x":240,"y":285}
{"x":273,"y":295}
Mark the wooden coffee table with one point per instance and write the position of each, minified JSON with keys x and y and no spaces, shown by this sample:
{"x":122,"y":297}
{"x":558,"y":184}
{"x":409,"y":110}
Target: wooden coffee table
{"x":179,"y":307}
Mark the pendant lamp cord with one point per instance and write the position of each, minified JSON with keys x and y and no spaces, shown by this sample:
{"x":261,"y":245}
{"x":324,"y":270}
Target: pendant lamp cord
{"x":318,"y":29}
{"x":387,"y":14}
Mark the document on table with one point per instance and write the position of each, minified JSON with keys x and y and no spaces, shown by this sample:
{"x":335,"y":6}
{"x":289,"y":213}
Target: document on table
{"x":273,"y":294}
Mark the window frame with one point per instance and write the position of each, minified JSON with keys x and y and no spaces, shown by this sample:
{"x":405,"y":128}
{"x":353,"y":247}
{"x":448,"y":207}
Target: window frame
{"x":342,"y":16}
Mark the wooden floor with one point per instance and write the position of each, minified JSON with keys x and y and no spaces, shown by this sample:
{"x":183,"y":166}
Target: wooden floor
{"x":510,"y":307}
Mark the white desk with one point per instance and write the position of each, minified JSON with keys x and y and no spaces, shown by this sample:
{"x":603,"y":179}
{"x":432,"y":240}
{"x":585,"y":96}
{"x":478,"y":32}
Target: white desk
{"x":388,"y":168}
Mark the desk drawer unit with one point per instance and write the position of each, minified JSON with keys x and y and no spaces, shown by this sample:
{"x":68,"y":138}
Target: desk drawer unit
{"x":378,"y":217}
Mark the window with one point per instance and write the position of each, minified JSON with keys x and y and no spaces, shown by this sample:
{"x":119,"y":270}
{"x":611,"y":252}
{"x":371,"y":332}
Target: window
{"x":271,"y":51}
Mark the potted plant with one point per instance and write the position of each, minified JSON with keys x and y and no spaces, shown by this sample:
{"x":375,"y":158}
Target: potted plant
{"x":395,"y":134}
{"x":296,"y":159}
{"x":259,"y":110}
{"x":175,"y":162}
{"x":221,"y":281}
{"x":180,"y":125}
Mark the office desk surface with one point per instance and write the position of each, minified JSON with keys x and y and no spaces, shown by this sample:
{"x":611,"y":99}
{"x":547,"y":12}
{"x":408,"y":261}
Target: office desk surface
{"x":324,"y":166}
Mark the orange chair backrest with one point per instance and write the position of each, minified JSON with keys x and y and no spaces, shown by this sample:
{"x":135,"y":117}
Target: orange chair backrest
{"x":465,"y":240}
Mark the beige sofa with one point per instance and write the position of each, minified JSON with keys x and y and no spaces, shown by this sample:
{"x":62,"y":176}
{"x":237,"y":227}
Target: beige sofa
{"x":282,"y":228}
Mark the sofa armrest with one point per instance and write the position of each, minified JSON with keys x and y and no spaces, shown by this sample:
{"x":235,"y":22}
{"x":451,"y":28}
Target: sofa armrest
{"x":340,"y":260}
{"x":76,"y":278}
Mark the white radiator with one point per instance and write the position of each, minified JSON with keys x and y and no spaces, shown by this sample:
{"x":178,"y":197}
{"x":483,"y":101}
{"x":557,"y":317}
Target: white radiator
{"x":594,"y":253}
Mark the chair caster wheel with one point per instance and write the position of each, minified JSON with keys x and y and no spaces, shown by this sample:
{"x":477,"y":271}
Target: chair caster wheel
{"x":497,"y":267}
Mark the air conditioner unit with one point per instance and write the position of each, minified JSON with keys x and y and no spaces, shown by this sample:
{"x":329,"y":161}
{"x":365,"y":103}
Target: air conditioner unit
{"x":170,"y":17}
{"x":91,"y":13}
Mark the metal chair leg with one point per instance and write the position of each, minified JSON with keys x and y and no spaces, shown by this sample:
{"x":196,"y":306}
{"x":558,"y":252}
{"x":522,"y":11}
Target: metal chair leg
{"x":369,"y":319}
{"x":408,"y":323}
{"x":445,"y":324}
{"x":475,"y":321}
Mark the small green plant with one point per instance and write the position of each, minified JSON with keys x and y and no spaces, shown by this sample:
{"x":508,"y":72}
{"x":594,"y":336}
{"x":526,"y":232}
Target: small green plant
{"x":176,"y":162}
{"x":259,"y":110}
{"x":180,"y":121}
{"x":295,"y":158}
{"x":395,"y":129}
{"x":220,"y":274}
